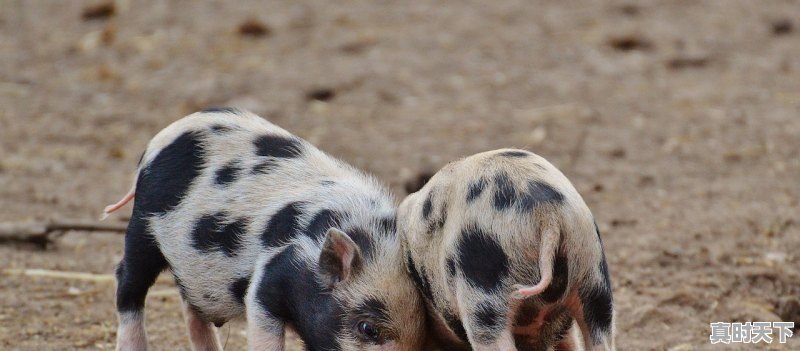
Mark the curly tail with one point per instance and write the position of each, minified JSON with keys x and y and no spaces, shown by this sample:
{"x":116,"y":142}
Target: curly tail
{"x":129,"y":196}
{"x":547,"y":251}
{"x":122,"y":202}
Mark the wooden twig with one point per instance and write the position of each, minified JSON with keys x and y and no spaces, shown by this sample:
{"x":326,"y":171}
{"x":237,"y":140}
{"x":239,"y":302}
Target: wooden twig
{"x":85,"y":276}
{"x":60,"y":274}
{"x":41,"y":233}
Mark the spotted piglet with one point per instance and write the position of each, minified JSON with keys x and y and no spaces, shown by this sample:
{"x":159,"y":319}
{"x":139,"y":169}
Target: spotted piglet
{"x":254,"y":221}
{"x":507,"y":256}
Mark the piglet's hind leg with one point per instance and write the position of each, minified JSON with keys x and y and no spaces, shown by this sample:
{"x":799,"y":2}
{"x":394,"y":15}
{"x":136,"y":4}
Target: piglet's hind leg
{"x":202,"y":334}
{"x":141,"y":264}
{"x":592,"y":309}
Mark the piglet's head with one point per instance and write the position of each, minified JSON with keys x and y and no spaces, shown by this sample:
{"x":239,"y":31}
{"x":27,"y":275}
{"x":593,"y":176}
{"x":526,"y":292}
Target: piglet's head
{"x":380,"y":307}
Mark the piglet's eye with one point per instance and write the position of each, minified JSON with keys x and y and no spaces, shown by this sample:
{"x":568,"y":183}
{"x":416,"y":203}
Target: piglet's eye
{"x":368,"y":331}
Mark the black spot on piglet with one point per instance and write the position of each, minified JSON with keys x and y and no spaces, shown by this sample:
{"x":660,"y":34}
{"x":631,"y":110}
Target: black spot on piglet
{"x":211,"y":233}
{"x":295,"y":293}
{"x":363,"y":240}
{"x":227,"y":174}
{"x":283,"y":225}
{"x":264,"y":167}
{"x":388,"y":225}
{"x":505,"y":195}
{"x":598,"y":301}
{"x":278,"y":146}
{"x":451,"y":267}
{"x":231,"y":110}
{"x":239,"y":288}
{"x":436,"y":225}
{"x":489,"y":321}
{"x":322,"y":221}
{"x":220,"y":129}
{"x":475,"y":189}
{"x":165,"y":180}
{"x":480,"y":259}
{"x":427,"y":206}
{"x":514,"y":153}
{"x":420,"y":280}
{"x":540,"y":193}
{"x":597,"y":309}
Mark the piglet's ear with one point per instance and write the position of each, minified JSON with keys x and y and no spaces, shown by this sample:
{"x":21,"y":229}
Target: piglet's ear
{"x":340,"y":259}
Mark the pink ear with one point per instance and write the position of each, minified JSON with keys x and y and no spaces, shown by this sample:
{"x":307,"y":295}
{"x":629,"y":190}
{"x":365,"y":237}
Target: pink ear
{"x":340,"y":258}
{"x":345,"y":250}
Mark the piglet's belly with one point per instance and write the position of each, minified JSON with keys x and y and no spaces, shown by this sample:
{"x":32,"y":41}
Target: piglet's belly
{"x":210,"y":277}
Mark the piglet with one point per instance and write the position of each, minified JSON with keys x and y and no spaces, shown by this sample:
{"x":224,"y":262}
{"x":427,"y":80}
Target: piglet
{"x":507,"y":256}
{"x":254,"y":221}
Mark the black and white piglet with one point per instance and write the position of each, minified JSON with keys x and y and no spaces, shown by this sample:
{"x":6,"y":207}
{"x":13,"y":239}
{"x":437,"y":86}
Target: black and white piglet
{"x":507,"y":255}
{"x":254,"y":221}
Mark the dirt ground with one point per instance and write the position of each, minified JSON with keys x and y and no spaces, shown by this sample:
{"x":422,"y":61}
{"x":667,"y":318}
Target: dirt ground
{"x":678,"y":121}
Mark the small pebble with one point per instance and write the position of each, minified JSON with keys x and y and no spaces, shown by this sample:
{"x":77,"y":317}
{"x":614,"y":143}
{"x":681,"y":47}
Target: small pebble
{"x":99,"y":11}
{"x":254,"y":28}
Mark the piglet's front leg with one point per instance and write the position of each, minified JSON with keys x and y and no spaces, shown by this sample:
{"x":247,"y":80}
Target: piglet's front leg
{"x":265,"y":334}
{"x":265,"y":331}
